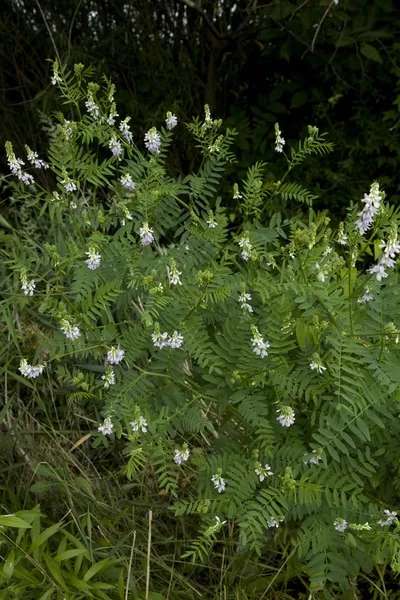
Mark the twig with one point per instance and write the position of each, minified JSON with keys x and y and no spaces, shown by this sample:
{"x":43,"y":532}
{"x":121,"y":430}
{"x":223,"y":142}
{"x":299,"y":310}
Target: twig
{"x":70,"y":29}
{"x":298,"y":8}
{"x":130,"y":566}
{"x":201,"y":12}
{"x":49,"y":30}
{"x":148,"y":556}
{"x":319,"y":25}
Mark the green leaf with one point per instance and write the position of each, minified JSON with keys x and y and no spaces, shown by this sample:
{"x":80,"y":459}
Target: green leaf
{"x":44,"y":536}
{"x":71,"y":554}
{"x":8,"y":567}
{"x":299,"y":99}
{"x":13,"y":521}
{"x":371,"y":52}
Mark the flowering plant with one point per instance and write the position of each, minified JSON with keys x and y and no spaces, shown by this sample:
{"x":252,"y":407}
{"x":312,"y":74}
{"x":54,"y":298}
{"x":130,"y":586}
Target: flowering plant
{"x":222,"y":354}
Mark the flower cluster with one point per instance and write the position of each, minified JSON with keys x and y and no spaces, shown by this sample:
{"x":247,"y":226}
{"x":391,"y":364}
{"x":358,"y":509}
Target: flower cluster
{"x":115,"y":355}
{"x":367,"y":297}
{"x":164,"y":340}
{"x":27,"y":286}
{"x":69,"y":185}
{"x":126,"y":182}
{"x":171,"y":120}
{"x":70,"y":331}
{"x":108,"y":377}
{"x":126,"y":130}
{"x":146,"y":234}
{"x":152,"y":141}
{"x":286,"y":416}
{"x":115,"y":147}
{"x":342,"y":236}
{"x":112,"y":114}
{"x":174,"y":274}
{"x":56,"y":77}
{"x":279,"y":141}
{"x":274,"y":522}
{"x":139,"y":424}
{"x":316,"y":363}
{"x":243,"y":301}
{"x":244,"y":243}
{"x":35,"y":160}
{"x":181,"y":456}
{"x":259,"y":346}
{"x":262,"y":471}
{"x":218,"y":481}
{"x":372,"y":203}
{"x":340,"y":524}
{"x":211,"y":222}
{"x":94,"y":260}
{"x":15,"y":165}
{"x":29,"y":371}
{"x":314,"y":458}
{"x":388,"y":259}
{"x":390,"y":516}
{"x":91,"y":105}
{"x":107,"y":427}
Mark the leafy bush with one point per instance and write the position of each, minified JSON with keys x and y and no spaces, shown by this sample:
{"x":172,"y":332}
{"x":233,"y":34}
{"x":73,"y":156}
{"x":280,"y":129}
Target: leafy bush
{"x":250,"y":372}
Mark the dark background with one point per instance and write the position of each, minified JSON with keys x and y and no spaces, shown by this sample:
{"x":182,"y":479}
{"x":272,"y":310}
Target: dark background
{"x":255,"y":62}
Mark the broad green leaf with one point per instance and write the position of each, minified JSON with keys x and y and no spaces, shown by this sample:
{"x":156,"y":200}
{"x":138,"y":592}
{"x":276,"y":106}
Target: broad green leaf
{"x":13,"y":521}
{"x":371,"y":52}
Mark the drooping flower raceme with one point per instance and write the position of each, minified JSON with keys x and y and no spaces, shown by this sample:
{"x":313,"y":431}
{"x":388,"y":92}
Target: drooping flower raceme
{"x":67,"y":182}
{"x":388,"y":259}
{"x":146,"y":234}
{"x":139,"y":424}
{"x":243,"y":301}
{"x":367,"y":297}
{"x":182,"y":455}
{"x":174,"y":274}
{"x":389,"y":518}
{"x":115,"y":147}
{"x":115,"y":355}
{"x":15,"y":165}
{"x":108,"y":377}
{"x":218,"y":481}
{"x":316,"y":363}
{"x":112,"y":114}
{"x":259,"y":346}
{"x":286,"y":416}
{"x":175,"y":340}
{"x":30,"y":371}
{"x":70,"y":331}
{"x":94,"y":260}
{"x":372,"y":202}
{"x":342,"y":236}
{"x":126,"y":182}
{"x":340,"y":524}
{"x":279,"y":141}
{"x":244,"y":243}
{"x":35,"y":160}
{"x":152,"y":141}
{"x":126,"y":130}
{"x":27,"y":287}
{"x":107,"y":427}
{"x":171,"y":120}
{"x":262,"y":471}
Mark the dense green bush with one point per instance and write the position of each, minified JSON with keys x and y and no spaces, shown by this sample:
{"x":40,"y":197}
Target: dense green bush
{"x":248,"y":374}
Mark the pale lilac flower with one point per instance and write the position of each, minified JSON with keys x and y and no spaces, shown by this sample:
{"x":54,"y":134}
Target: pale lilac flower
{"x":29,"y":371}
{"x":34,"y":159}
{"x":259,"y":346}
{"x":108,"y":377}
{"x":115,"y":355}
{"x":27,"y":286}
{"x":174,"y":275}
{"x":115,"y":147}
{"x":286,"y":416}
{"x":69,"y":185}
{"x":390,"y":516}
{"x":340,"y":524}
{"x":171,"y":120}
{"x":243,"y":298}
{"x":262,"y":471}
{"x":246,"y":247}
{"x":279,"y":141}
{"x":388,"y":259}
{"x":176,"y":340}
{"x":152,"y":141}
{"x":372,"y":203}
{"x":379,"y":271}
{"x":219,"y":482}
{"x":146,"y":234}
{"x":94,"y":260}
{"x":181,"y":455}
{"x":107,"y":427}
{"x":367,"y":297}
{"x":15,"y":165}
{"x":139,"y":423}
{"x":126,"y":182}
{"x":126,"y":130}
{"x":314,"y":458}
{"x":70,"y":331}
{"x":160,"y":340}
{"x":92,"y":108}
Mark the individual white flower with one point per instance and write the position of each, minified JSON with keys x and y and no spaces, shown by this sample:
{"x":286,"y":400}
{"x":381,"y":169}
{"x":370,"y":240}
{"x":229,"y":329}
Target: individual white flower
{"x":171,"y":120}
{"x":367,"y":297}
{"x":259,"y":346}
{"x":182,"y":455}
{"x":30,"y":371}
{"x":340,"y":524}
{"x":107,"y":427}
{"x":108,"y":377}
{"x":94,"y":260}
{"x":146,"y":234}
{"x":174,"y":275}
{"x":27,"y":286}
{"x":70,"y":331}
{"x":126,"y":182}
{"x":243,"y":300}
{"x":390,"y":516}
{"x":125,"y":130}
{"x":34,"y":159}
{"x":262,"y":471}
{"x":152,"y":141}
{"x":246,"y":247}
{"x":286,"y":416}
{"x":115,"y":355}
{"x":274,"y":522}
{"x":115,"y":147}
{"x":372,"y":202}
{"x":279,"y":141}
{"x":139,"y":424}
{"x":160,"y":340}
{"x":219,"y":482}
{"x":175,"y":340}
{"x":316,"y":364}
